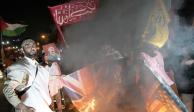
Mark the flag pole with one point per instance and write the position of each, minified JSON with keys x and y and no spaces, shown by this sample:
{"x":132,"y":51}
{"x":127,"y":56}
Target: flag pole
{"x":169,"y":91}
{"x":2,"y":57}
{"x":59,"y":30}
{"x":61,"y":34}
{"x":1,"y":39}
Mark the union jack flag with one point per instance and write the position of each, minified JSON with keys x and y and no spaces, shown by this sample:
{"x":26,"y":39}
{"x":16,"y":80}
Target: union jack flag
{"x":79,"y":86}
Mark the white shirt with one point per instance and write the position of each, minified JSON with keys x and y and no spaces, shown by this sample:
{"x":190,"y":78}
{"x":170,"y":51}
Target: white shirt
{"x":31,"y":61}
{"x":54,"y":69}
{"x":38,"y":95}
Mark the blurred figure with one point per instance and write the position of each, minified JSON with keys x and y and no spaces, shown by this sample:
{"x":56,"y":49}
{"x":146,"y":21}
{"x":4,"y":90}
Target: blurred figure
{"x":51,"y":58}
{"x":53,"y":54}
{"x":1,"y":74}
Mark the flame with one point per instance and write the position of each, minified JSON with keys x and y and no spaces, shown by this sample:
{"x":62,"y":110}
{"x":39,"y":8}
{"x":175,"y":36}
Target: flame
{"x":89,"y":107}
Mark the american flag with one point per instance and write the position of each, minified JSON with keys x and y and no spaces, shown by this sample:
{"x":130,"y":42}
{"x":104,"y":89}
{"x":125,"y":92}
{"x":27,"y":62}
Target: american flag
{"x":157,"y":98}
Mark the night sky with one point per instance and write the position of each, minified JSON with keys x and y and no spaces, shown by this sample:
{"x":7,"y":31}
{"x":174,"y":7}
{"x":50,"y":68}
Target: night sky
{"x":33,"y":13}
{"x":186,"y":11}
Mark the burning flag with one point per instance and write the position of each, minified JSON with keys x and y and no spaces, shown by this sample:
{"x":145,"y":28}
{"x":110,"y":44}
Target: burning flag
{"x":110,"y":86}
{"x":156,"y":87}
{"x":80,"y":86}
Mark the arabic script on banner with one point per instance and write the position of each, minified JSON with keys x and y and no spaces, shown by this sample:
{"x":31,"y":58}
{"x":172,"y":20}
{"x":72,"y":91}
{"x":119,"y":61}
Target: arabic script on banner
{"x":73,"y":12}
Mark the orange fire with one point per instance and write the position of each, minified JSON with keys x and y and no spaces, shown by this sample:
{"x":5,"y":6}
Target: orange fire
{"x":89,"y":107}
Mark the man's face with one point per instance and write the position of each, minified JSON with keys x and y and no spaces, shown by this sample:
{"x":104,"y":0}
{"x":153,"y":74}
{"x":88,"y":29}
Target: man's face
{"x":30,"y":50}
{"x":51,"y":51}
{"x":52,"y":54}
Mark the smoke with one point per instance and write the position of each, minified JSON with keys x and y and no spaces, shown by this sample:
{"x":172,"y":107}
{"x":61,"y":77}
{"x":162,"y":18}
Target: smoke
{"x":118,"y":23}
{"x":182,"y":30}
{"x":115,"y":89}
{"x":181,"y":42}
{"x":181,"y":25}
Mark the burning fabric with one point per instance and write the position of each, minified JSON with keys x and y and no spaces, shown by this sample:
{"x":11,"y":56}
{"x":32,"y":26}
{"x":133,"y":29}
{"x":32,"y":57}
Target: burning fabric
{"x":157,"y":83}
{"x":120,"y":86}
{"x":79,"y":86}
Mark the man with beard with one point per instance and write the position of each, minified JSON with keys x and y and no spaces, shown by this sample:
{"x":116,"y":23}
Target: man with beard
{"x":51,"y":58}
{"x":52,"y":54}
{"x":26,"y":87}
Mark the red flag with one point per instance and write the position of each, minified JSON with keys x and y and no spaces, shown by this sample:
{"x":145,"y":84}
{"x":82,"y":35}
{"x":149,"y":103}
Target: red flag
{"x":3,"y":25}
{"x":73,"y":12}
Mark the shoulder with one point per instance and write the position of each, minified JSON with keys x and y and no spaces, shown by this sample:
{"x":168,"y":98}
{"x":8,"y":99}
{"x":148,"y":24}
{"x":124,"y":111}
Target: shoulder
{"x":19,"y":65}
